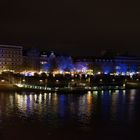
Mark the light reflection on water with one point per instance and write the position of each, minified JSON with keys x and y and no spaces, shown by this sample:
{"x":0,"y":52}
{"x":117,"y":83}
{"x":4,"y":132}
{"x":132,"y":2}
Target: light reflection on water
{"x":81,"y":109}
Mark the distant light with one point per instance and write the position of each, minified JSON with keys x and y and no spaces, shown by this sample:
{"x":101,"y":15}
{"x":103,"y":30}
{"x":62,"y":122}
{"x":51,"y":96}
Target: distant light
{"x":2,"y":80}
{"x":113,"y":80}
{"x":19,"y":85}
{"x":28,"y":73}
{"x":61,"y":71}
{"x":101,"y":80}
{"x":89,"y":92}
{"x":123,"y":73}
{"x":105,"y":72}
{"x":117,"y":73}
{"x":99,"y":72}
{"x":95,"y":92}
{"x":72,"y":75}
{"x":72,"y":80}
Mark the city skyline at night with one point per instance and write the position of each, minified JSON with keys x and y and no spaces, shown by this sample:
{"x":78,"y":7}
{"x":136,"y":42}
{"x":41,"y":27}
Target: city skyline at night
{"x":69,"y":69}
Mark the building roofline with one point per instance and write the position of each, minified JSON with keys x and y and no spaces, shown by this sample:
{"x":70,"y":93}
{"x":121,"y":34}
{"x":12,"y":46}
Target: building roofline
{"x":11,"y":46}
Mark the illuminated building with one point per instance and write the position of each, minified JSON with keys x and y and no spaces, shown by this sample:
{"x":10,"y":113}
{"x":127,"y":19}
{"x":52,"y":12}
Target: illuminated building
{"x":51,"y":65}
{"x":43,"y":61}
{"x":83,"y":65}
{"x":32,"y":60}
{"x":120,"y":65}
{"x":10,"y":57}
{"x":65,"y":63}
{"x":104,"y":65}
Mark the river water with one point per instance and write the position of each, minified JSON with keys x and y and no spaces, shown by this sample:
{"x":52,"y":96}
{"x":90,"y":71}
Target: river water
{"x":91,"y":115}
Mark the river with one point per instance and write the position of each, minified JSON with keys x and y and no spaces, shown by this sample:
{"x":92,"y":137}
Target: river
{"x":91,"y":115}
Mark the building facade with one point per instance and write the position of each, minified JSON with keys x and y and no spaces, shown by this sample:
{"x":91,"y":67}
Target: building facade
{"x":31,"y":60}
{"x":43,"y":61}
{"x":120,"y":65}
{"x":10,"y":57}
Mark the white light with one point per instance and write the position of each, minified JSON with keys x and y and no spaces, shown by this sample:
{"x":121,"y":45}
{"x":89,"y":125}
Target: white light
{"x":35,"y":96}
{"x":95,"y":92}
{"x":89,"y":92}
{"x":101,"y":80}
{"x":19,"y":85}
{"x":72,"y":74}
{"x":72,"y":80}
{"x":105,"y":72}
{"x":117,"y":73}
{"x":113,"y":80}
{"x":99,"y":72}
{"x":123,"y":73}
{"x":61,"y":72}
{"x":2,"y":80}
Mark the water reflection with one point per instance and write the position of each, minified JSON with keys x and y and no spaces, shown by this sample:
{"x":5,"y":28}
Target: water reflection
{"x":131,"y":108}
{"x":84,"y":109}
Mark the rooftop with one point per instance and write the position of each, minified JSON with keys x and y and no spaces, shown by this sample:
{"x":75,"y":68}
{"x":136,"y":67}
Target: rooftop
{"x":11,"y":46}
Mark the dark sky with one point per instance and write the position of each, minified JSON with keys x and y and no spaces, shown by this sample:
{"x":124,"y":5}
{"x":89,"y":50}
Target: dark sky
{"x":77,"y":27}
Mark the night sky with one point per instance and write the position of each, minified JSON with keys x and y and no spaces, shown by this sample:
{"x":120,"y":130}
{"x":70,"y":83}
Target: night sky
{"x":75,"y":27}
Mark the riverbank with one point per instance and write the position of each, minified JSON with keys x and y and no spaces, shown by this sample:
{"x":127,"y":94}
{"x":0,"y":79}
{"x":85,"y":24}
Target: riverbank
{"x":58,"y":89}
{"x":33,"y":88}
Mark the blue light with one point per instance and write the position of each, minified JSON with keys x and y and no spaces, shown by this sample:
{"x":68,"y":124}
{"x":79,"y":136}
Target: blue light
{"x":121,"y":68}
{"x":106,"y":69}
{"x":133,"y":68}
{"x":65,"y":63}
{"x":51,"y":64}
{"x":81,"y":66}
{"x":62,"y":106}
{"x":60,"y":63}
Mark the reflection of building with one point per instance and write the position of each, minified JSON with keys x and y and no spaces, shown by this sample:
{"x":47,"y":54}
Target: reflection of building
{"x":10,"y":57}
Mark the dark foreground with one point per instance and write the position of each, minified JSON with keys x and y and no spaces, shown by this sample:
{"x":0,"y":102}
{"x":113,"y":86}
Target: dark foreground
{"x":108,"y":132}
{"x":111,"y":115}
